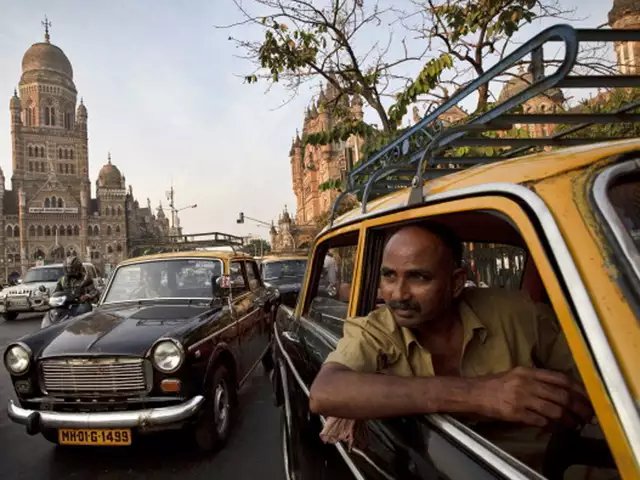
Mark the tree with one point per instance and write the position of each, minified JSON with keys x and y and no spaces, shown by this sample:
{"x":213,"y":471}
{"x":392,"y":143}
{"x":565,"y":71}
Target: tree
{"x":257,"y":247}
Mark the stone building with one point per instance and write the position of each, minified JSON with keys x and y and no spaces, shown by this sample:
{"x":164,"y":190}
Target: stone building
{"x":289,"y":237}
{"x":313,"y":165}
{"x":49,"y":212}
{"x":626,"y":14}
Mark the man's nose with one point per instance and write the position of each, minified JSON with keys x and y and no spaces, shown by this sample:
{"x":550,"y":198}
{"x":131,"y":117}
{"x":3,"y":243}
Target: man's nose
{"x":400,"y":290}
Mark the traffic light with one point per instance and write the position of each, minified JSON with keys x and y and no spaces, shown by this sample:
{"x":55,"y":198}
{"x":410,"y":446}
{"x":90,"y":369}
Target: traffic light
{"x":240,"y":218}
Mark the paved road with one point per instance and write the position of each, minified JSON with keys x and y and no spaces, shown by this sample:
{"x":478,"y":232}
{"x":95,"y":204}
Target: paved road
{"x":253,"y":451}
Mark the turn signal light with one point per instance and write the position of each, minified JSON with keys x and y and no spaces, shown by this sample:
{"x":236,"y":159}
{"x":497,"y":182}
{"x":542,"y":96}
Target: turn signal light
{"x":170,"y":385}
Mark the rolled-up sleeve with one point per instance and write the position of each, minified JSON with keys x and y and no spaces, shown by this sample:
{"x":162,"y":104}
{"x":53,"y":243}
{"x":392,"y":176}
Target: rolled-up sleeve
{"x":358,"y":349}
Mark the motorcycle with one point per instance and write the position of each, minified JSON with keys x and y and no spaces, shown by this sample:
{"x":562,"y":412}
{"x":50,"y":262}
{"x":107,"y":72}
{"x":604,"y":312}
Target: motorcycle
{"x":64,"y":305}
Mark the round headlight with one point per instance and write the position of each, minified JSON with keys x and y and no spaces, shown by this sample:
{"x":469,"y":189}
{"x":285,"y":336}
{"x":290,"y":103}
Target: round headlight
{"x":168,"y":355}
{"x":17,"y":359}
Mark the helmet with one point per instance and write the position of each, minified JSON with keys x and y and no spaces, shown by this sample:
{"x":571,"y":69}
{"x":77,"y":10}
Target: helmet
{"x":73,"y":267}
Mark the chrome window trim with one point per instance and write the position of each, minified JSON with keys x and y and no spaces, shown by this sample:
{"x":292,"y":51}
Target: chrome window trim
{"x":234,"y":323}
{"x":600,"y":188}
{"x":594,"y":333}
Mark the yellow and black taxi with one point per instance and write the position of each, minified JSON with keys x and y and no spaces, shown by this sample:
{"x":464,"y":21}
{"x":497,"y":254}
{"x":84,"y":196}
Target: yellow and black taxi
{"x":173,"y":338}
{"x":555,"y":216}
{"x":284,"y":273}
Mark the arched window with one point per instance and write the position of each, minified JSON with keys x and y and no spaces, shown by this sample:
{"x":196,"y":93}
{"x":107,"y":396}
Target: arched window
{"x":38,"y":254}
{"x":69,"y":231}
{"x":54,"y":202}
{"x":31,"y":166}
{"x":32,"y":231}
{"x":73,"y":170}
{"x":59,"y":153}
{"x":109,"y":230}
{"x":66,"y":154}
{"x":42,"y":166}
{"x":61,"y":230}
{"x":9,"y":231}
{"x":28,"y":117}
{"x":71,"y":154}
{"x":16,"y":231}
{"x":119,"y":211}
{"x":40,"y":231}
{"x":96,"y":230}
{"x":113,"y":212}
{"x":54,"y":230}
{"x":76,"y":230}
{"x":117,"y":228}
{"x":42,"y":152}
{"x":30,"y":151}
{"x":47,"y":203}
{"x":109,"y":249}
{"x":60,"y":203}
{"x":66,"y":168}
{"x":47,"y":115}
{"x":119,"y":248}
{"x":47,"y":231}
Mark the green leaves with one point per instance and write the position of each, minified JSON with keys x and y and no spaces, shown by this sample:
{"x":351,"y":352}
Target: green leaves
{"x":426,"y":80}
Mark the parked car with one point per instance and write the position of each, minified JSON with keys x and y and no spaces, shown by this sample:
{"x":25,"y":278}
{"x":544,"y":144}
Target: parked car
{"x":158,"y":352}
{"x":32,"y":294}
{"x":560,"y":226}
{"x":285,"y":273}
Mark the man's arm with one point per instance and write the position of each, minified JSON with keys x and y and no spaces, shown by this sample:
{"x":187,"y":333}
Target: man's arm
{"x":531,"y":396}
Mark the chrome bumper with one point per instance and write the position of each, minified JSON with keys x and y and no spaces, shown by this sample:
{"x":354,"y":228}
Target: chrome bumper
{"x":152,"y":417}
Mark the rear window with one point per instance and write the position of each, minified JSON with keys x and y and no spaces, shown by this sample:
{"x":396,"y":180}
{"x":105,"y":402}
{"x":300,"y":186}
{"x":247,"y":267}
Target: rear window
{"x":624,"y":195}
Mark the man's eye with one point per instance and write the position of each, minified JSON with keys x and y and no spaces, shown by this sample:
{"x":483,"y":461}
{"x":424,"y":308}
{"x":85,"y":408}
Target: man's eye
{"x":387,"y":275}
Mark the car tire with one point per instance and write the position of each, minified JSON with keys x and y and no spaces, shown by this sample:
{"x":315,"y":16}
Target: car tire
{"x":9,"y":316}
{"x":212,"y":430}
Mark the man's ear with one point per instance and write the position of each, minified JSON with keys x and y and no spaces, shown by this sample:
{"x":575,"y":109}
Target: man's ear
{"x":459,"y":279}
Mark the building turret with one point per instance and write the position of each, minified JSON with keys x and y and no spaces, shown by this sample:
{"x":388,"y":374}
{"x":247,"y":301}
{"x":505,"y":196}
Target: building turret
{"x":15,"y":107}
{"x":81,"y":113}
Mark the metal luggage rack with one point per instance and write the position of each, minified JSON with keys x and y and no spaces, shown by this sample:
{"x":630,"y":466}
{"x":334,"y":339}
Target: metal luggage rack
{"x":194,"y":241}
{"x":420,"y":152}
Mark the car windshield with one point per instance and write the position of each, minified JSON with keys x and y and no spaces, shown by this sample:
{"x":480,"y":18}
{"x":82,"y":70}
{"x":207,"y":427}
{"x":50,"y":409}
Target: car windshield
{"x":48,"y":274}
{"x":183,"y":278}
{"x":284,"y":268}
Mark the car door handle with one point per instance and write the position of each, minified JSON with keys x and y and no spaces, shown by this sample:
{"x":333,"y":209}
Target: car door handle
{"x":291,"y":336}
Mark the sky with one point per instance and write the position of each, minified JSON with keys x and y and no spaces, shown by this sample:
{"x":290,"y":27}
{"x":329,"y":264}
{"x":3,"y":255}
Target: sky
{"x":164,"y":91}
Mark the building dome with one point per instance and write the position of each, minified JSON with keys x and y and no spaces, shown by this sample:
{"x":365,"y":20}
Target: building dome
{"x":45,"y":56}
{"x":110,"y":176}
{"x":622,"y":8}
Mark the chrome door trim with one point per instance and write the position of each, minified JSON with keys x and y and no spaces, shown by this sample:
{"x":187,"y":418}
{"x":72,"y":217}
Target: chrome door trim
{"x":594,"y":334}
{"x":218,"y":332}
{"x":600,"y":187}
{"x":301,"y":384}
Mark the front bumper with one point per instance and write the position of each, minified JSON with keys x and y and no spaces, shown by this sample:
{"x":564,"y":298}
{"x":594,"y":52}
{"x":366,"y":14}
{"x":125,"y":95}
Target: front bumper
{"x":28,"y":304}
{"x":35,"y":420}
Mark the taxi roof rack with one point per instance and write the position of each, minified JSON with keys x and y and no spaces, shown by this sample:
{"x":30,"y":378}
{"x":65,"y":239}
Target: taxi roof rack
{"x":420,"y":152}
{"x":191,"y":241}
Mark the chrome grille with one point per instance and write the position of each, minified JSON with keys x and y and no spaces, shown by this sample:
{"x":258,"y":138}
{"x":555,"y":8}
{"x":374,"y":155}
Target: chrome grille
{"x":94,"y":376}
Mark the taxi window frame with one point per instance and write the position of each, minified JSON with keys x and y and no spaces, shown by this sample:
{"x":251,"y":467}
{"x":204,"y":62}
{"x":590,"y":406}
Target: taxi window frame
{"x":618,"y":239}
{"x":466,"y":437}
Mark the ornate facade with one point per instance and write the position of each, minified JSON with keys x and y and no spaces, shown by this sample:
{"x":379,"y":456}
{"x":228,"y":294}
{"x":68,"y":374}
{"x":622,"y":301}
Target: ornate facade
{"x":289,"y":237}
{"x":49,"y":212}
{"x":626,"y":14}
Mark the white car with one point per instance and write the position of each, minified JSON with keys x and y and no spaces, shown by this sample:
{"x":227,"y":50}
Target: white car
{"x":32,"y":294}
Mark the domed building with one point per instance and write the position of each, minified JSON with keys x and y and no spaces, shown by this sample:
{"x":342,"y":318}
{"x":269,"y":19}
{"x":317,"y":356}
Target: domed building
{"x":626,"y":14}
{"x":49,"y":211}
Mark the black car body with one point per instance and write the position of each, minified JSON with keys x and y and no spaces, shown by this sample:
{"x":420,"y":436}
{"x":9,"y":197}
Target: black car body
{"x":140,"y":363}
{"x":284,"y":273}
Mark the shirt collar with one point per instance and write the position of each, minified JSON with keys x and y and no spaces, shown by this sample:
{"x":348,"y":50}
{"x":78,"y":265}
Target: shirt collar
{"x":471,"y":325}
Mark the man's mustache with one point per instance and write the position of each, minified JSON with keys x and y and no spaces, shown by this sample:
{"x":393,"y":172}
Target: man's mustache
{"x":403,"y":305}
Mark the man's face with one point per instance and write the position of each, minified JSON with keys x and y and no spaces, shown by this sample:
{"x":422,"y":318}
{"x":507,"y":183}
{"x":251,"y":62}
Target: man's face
{"x":418,"y":280}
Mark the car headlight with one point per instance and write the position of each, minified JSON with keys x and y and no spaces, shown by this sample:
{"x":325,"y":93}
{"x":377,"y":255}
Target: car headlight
{"x":167,"y":355}
{"x":17,"y":358}
{"x":57,"y":301}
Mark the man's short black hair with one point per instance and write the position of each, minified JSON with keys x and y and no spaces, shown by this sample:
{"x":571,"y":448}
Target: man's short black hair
{"x":446,"y":235}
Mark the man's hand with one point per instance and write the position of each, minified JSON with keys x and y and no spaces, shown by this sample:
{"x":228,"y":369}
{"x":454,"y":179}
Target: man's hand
{"x":84,"y":298}
{"x":535,"y":397}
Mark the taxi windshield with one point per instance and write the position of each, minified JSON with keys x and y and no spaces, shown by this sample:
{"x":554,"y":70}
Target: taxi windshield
{"x":284,"y":268}
{"x":183,"y":278}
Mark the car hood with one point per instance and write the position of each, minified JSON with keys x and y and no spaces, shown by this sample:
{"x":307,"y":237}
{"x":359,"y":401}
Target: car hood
{"x":127,"y":331}
{"x":27,"y":288}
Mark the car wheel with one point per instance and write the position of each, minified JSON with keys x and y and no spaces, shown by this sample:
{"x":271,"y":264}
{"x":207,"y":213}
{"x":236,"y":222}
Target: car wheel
{"x":9,"y":316}
{"x":214,"y":425}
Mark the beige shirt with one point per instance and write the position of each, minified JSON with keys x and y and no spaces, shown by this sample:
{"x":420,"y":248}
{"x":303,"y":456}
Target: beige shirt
{"x":502,"y":330}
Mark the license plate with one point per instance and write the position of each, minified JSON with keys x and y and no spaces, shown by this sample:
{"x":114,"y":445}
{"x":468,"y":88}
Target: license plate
{"x":18,"y":302}
{"x":109,"y":437}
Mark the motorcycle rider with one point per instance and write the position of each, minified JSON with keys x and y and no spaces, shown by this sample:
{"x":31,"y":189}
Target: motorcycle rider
{"x":77,"y":283}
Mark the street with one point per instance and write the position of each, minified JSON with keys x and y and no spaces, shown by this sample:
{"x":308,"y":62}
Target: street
{"x":253,"y":450}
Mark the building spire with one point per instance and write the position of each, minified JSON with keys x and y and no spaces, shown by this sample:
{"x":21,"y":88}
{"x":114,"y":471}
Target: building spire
{"x":109,"y":157}
{"x":46,"y":24}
